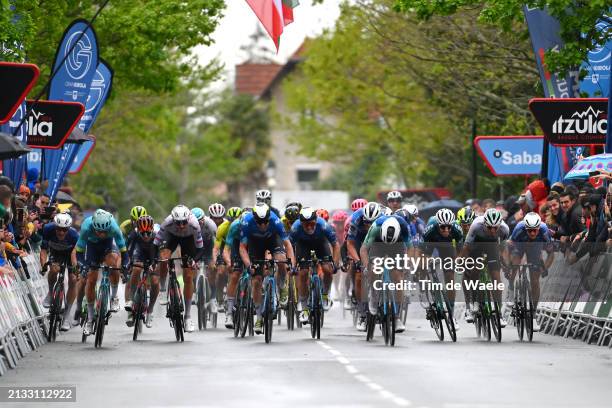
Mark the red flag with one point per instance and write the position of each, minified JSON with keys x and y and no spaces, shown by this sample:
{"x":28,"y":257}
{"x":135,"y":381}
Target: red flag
{"x":271,"y":16}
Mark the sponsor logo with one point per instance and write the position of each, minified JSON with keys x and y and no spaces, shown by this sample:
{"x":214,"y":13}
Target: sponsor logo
{"x":80,"y":59}
{"x":522,"y":158}
{"x":589,"y":122}
{"x":40,"y":124}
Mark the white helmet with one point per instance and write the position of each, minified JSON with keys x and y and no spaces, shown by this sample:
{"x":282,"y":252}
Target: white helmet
{"x":63,"y":220}
{"x":492,"y":218}
{"x":394,"y":195}
{"x":263,"y":195}
{"x":216,"y":210}
{"x":371,"y":211}
{"x":390,"y":230}
{"x":532,"y":220}
{"x":412,"y":209}
{"x":261,"y":213}
{"x":445,"y":217}
{"x":156,"y":228}
{"x":180,"y":213}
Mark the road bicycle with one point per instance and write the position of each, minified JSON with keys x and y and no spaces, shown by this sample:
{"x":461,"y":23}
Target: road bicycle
{"x":244,"y":308}
{"x":487,"y":316}
{"x":56,"y":306}
{"x":175,"y":306}
{"x":438,"y":310}
{"x":523,"y":310}
{"x":140,"y":299}
{"x":387,"y":311}
{"x":316,"y":314}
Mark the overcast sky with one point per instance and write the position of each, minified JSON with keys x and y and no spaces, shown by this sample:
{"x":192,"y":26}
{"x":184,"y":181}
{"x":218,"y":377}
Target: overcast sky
{"x":240,"y":22}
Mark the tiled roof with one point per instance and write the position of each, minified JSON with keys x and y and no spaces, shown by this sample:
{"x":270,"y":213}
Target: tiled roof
{"x":254,"y":78}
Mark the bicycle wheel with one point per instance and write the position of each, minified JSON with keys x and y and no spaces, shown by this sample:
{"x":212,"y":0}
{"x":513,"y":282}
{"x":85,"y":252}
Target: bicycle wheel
{"x":393,"y":316}
{"x":449,"y":319}
{"x":434,"y":315}
{"x":245,"y":309}
{"x":269,"y":312}
{"x":486,"y":320}
{"x":495,"y":318}
{"x":201,"y":303}
{"x":478,"y":323}
{"x":138,"y":312}
{"x":529,"y":312}
{"x":386,"y":323}
{"x":250,"y":319}
{"x":519,"y":310}
{"x":290,"y":311}
{"x":370,"y":325}
{"x":101,"y":318}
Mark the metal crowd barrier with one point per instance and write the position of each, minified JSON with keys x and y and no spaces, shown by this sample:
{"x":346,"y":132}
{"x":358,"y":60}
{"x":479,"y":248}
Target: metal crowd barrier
{"x":576,"y":300}
{"x":23,"y":323}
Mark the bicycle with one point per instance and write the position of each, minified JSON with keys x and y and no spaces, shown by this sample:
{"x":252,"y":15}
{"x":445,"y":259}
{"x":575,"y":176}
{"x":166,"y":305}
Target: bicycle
{"x":386,"y":313}
{"x":270,"y":301}
{"x":291,"y":313}
{"x":315,"y":293}
{"x":244,"y":307}
{"x":57,"y":300}
{"x":140,"y":300}
{"x":203,"y":297}
{"x":488,"y":315}
{"x":175,"y":306}
{"x":355,"y":310}
{"x":438,"y":307}
{"x":102,"y":311}
{"x":523,"y":310}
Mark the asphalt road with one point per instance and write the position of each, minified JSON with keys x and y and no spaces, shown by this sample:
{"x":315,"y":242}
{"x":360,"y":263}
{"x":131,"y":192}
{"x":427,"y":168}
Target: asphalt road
{"x":213,"y":369}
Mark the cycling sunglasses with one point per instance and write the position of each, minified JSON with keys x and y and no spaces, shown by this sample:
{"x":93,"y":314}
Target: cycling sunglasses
{"x":146,"y":234}
{"x":532,"y":229}
{"x":491,"y":227}
{"x":261,"y":222}
{"x":310,"y":223}
{"x":61,"y":229}
{"x":445,"y":227}
{"x":180,"y":223}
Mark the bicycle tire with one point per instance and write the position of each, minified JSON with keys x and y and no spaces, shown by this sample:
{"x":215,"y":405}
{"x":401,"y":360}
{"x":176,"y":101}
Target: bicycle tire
{"x":52,"y":327}
{"x":290,"y":311}
{"x":519,"y":311}
{"x":386,"y":324}
{"x":393,"y":327}
{"x":244,"y":319}
{"x":251,"y":320}
{"x":486,"y":320}
{"x":200,"y":303}
{"x":314,"y":300}
{"x":449,"y":319}
{"x":495,"y":319}
{"x":101,"y":318}
{"x":370,"y":325}
{"x":137,"y":309}
{"x":529,"y":314}
{"x":269,"y":313}
{"x":434,"y":318}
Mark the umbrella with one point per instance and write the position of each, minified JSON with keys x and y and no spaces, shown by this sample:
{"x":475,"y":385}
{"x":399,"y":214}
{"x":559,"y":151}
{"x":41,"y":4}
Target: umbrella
{"x":63,"y":197}
{"x":433,"y":207}
{"x":11,"y":148}
{"x":592,"y":163}
{"x":77,"y":136}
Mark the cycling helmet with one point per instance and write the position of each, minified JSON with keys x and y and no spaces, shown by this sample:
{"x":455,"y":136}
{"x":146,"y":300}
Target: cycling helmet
{"x":263,"y":195}
{"x":234,"y":212}
{"x":261,"y":213}
{"x":198,"y":213}
{"x":292,"y":212}
{"x":445,"y":216}
{"x":532,"y":220}
{"x":156,"y":228}
{"x":386,"y":210}
{"x":358,"y":203}
{"x":339,"y":216}
{"x":63,"y":220}
{"x":390,"y":230}
{"x":323,"y":213}
{"x":308,"y":214}
{"x":137,"y":212}
{"x":296,"y":204}
{"x":466,"y":215}
{"x":145,"y":224}
{"x":394,"y":195}
{"x":412,"y":210}
{"x":180,"y":213}
{"x":102,"y":220}
{"x":371,"y":211}
{"x":402,"y":213}
{"x":492,"y":218}
{"x":216,"y":210}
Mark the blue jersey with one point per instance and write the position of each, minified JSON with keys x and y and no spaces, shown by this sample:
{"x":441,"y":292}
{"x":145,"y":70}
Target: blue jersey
{"x":322,"y":230}
{"x":51,"y":241}
{"x":521,"y":244}
{"x":233,"y":233}
{"x":359,"y":227}
{"x":88,"y":235}
{"x":250,"y":230}
{"x":374,"y":233}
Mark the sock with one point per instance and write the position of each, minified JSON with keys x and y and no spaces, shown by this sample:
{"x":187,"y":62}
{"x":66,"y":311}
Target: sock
{"x":150,"y":308}
{"x":114,"y":289}
{"x":230,"y":305}
{"x":67,"y":311}
{"x":91,"y":310}
{"x":259,"y":310}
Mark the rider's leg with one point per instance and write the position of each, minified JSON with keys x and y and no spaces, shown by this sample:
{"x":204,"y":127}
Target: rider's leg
{"x":302,"y":286}
{"x":188,"y":289}
{"x":154,"y":291}
{"x":113,"y":259}
{"x":257,"y":298}
{"x":90,"y":292}
{"x":221,"y":281}
{"x":162,"y":268}
{"x":232,"y":286}
{"x":52,"y":277}
{"x":71,"y":295}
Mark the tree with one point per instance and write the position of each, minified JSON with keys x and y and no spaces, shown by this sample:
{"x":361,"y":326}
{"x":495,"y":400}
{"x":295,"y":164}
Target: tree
{"x":577,"y":19}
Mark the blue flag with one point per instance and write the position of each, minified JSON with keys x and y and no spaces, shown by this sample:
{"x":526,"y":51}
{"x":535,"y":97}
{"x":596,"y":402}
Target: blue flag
{"x":71,"y":83}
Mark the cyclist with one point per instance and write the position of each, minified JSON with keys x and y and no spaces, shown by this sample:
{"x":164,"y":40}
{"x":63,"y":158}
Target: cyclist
{"x":292,"y":213}
{"x":338,"y":219}
{"x":181,"y":228}
{"x":323,"y":213}
{"x":394,"y":200}
{"x":220,"y":263}
{"x":231,"y":256}
{"x":312,"y":233}
{"x":216,"y":273}
{"x":416,"y":224}
{"x":357,"y":204}
{"x":261,"y":231}
{"x":265,"y":197}
{"x":529,"y":238}
{"x":443,"y":234}
{"x":141,"y":249}
{"x":99,"y":242}
{"x":361,"y":220}
{"x":394,"y":233}
{"x":58,"y":246}
{"x":487,"y":237}
{"x":465,"y":218}
{"x":129,"y":225}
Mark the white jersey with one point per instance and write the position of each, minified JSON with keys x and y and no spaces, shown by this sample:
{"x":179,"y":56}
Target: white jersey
{"x":168,"y":228}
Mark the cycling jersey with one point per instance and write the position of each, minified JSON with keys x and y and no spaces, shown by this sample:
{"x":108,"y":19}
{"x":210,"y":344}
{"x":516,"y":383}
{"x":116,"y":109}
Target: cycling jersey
{"x":126,"y":227}
{"x":286,"y":223}
{"x":209,"y":230}
{"x":250,"y":230}
{"x":168,"y":229}
{"x":232,"y":241}
{"x":478,"y":232}
{"x":417,"y":230}
{"x":374,"y":231}
{"x":222,"y":231}
{"x":139,"y":250}
{"x":433,"y":239}
{"x":322,"y":230}
{"x":88,"y":235}
{"x":51,"y":242}
{"x":521,"y":244}
{"x":359,"y":226}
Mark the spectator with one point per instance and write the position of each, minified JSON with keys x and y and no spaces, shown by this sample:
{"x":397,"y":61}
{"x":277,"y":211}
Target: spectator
{"x":487,"y":203}
{"x":6,"y":195}
{"x":557,"y":187}
{"x":572,"y":215}
{"x":501,"y":208}
{"x":555,"y":216}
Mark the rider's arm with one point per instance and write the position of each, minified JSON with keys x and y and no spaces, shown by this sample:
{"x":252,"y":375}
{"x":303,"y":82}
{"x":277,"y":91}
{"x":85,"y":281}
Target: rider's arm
{"x":43,"y":256}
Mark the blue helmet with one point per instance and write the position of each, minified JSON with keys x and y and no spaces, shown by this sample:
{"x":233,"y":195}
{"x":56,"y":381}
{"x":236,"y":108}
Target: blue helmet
{"x":102,"y":220}
{"x":198,"y":213}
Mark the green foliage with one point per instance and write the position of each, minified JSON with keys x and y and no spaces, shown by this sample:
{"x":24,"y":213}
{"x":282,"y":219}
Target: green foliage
{"x":577,"y":20}
{"x":393,"y":97}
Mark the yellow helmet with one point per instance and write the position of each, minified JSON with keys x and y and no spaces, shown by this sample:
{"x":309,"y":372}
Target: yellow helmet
{"x":137,"y":212}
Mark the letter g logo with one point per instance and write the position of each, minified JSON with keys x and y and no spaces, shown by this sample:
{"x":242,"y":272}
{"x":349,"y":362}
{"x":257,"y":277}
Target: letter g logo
{"x":79,"y":60}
